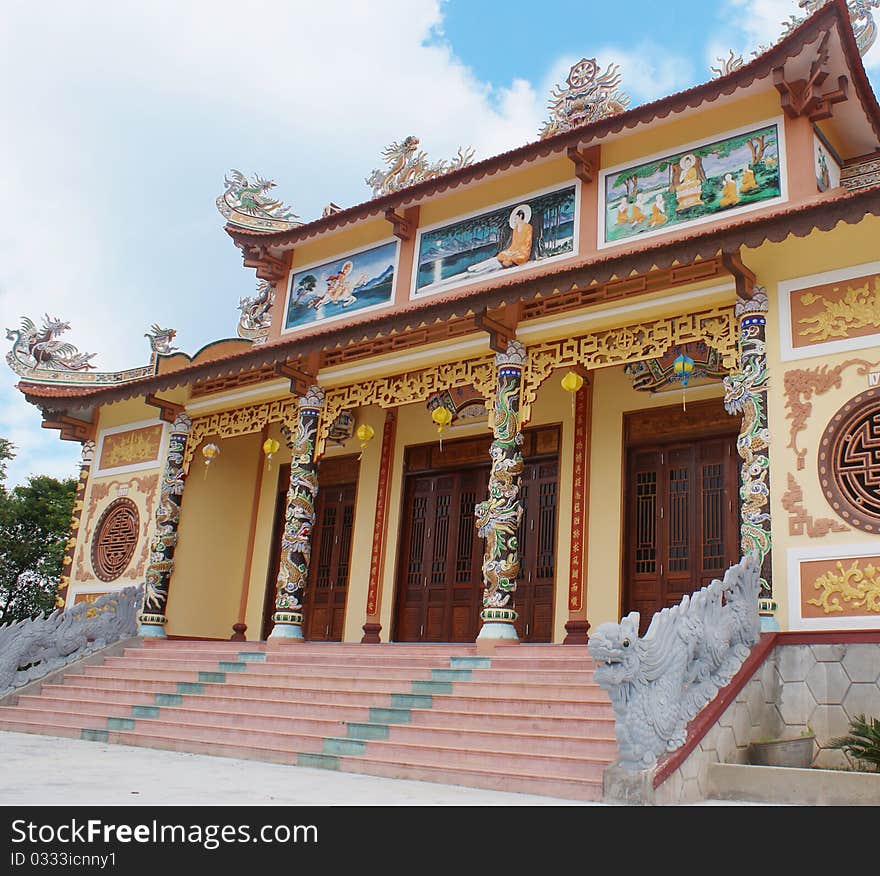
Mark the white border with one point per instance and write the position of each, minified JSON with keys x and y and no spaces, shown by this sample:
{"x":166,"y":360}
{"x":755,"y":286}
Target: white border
{"x":779,"y":121}
{"x":138,"y":466}
{"x":415,"y":295}
{"x":298,"y":269}
{"x":785,"y":288}
{"x":794,"y":558}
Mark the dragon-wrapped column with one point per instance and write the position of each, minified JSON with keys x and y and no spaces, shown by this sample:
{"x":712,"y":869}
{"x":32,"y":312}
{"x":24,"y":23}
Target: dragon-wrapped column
{"x":299,"y":518}
{"x":497,"y":519}
{"x":746,"y":394}
{"x":158,"y":577}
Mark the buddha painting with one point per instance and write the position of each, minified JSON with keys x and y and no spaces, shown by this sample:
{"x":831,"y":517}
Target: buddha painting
{"x":520,"y":249}
{"x":748,"y":183}
{"x":689,"y":190}
{"x":729,"y":195}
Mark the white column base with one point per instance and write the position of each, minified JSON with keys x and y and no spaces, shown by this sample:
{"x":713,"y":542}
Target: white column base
{"x":498,"y":631}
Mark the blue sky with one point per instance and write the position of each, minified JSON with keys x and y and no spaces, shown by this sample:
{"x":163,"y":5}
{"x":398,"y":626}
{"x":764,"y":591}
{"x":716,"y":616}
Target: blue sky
{"x":121,"y":118}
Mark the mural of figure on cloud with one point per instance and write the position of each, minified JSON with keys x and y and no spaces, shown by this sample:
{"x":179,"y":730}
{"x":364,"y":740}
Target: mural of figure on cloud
{"x":352,"y":283}
{"x":505,"y":238}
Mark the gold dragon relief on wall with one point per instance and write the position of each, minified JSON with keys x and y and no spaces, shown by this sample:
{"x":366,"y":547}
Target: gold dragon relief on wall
{"x":849,"y":587}
{"x":836,"y":311}
{"x":131,"y":447}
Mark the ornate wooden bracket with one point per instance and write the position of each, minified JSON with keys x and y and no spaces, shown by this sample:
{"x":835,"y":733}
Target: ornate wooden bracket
{"x":802,"y":97}
{"x":745,"y":277}
{"x":71,"y":428}
{"x":168,"y":410}
{"x":301,"y":378}
{"x":268,"y":266}
{"x":499,"y":333}
{"x":405,"y":225}
{"x":584,"y":161}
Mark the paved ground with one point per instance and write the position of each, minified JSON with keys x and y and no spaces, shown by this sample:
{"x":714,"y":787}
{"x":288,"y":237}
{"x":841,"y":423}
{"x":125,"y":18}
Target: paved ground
{"x":49,"y":770}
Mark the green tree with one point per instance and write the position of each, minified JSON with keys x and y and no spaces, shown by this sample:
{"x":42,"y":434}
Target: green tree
{"x":34,"y":524}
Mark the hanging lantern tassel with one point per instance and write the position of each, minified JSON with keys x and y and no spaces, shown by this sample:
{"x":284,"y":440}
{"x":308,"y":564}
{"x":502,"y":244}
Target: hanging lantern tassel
{"x":210,"y":452}
{"x":572,"y":382}
{"x":365,"y":433}
{"x":270,"y":448}
{"x":442,"y":417}
{"x":683,"y":367}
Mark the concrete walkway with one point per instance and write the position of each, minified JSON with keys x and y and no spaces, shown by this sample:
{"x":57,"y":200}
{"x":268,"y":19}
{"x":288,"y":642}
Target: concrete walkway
{"x":54,"y":771}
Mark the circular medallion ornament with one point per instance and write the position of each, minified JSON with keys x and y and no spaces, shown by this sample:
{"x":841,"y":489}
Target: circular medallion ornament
{"x":115,"y":540}
{"x":849,"y":461}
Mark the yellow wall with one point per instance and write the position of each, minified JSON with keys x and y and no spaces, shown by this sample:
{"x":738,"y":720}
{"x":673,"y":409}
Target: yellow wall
{"x":214,"y":523}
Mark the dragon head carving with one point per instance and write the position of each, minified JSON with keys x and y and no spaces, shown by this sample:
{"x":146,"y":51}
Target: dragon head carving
{"x":614,"y":649}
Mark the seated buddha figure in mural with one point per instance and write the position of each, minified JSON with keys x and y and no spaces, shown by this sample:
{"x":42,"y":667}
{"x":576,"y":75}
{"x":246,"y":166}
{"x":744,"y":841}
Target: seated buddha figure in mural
{"x":520,"y":248}
{"x":658,"y":212}
{"x":729,"y":194}
{"x":340,"y":287}
{"x":689,"y":190}
{"x":748,"y":184}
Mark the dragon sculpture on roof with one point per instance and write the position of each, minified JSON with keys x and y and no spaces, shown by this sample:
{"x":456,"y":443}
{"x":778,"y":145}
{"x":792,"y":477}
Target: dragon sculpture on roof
{"x":860,"y":15}
{"x":247,"y":203}
{"x":587,"y":96}
{"x":408,"y":165}
{"x":256,"y":313}
{"x":38,"y":349}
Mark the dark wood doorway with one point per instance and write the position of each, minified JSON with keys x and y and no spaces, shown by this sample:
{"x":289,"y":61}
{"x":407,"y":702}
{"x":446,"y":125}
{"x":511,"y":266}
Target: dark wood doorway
{"x":440,"y":580}
{"x":324,"y":601}
{"x":681,"y":504}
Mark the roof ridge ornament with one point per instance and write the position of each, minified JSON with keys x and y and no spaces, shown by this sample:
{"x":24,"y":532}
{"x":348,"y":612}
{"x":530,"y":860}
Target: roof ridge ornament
{"x":247,"y":204}
{"x":586,"y":97}
{"x":860,"y":15}
{"x":406,"y":166}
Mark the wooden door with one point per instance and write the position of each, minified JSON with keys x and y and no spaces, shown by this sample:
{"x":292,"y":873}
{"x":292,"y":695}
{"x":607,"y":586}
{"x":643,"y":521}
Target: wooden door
{"x":324,"y":599}
{"x":682,"y":520}
{"x":537,"y":540}
{"x":440,"y":587}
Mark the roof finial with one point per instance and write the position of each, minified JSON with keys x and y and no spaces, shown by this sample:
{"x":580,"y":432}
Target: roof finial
{"x":406,"y":166}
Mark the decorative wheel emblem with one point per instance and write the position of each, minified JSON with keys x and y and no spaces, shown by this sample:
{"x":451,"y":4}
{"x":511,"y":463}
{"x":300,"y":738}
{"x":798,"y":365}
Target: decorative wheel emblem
{"x":849,"y":461}
{"x":115,"y":539}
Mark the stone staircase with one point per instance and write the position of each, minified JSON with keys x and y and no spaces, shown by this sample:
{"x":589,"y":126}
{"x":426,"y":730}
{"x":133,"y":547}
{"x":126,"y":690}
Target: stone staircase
{"x":528,"y":719}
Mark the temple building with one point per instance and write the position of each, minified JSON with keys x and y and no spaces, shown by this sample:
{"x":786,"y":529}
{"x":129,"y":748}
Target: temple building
{"x":512,"y":398}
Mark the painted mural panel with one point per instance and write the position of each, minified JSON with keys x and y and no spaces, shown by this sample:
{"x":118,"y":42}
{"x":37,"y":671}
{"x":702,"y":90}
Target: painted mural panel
{"x":131,"y":447}
{"x":827,"y":169}
{"x":693,"y":185}
{"x":517,"y":235}
{"x":344,"y":286}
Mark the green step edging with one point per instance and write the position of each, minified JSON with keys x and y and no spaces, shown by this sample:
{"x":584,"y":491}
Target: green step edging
{"x":432,"y":687}
{"x":337,"y":746}
{"x":212,"y":677}
{"x":451,"y":674}
{"x":470,"y":662}
{"x":366,"y":731}
{"x":382,"y":715}
{"x":167,"y":699}
{"x":411,"y":701}
{"x":95,"y":735}
{"x":190,"y":687}
{"x":317,"y":761}
{"x":232,"y":665}
{"x":120,"y":723}
{"x":145,"y":711}
{"x":252,"y":656}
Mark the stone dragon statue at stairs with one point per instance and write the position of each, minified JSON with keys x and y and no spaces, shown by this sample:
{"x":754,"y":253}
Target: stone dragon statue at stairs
{"x":659,"y":683}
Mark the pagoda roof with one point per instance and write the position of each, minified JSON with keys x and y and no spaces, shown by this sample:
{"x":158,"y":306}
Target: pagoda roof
{"x":833,"y":17}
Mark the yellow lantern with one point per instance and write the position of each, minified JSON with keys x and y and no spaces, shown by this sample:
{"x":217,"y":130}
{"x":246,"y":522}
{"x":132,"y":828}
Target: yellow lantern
{"x":270,"y":447}
{"x":364,"y":433}
{"x":210,"y":452}
{"x":572,"y":382}
{"x":442,"y":418}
